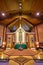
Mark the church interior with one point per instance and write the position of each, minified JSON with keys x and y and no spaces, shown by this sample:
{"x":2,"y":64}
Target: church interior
{"x":21,"y":32}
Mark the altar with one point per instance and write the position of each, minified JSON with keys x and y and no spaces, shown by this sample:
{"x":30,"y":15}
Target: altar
{"x":20,"y":39}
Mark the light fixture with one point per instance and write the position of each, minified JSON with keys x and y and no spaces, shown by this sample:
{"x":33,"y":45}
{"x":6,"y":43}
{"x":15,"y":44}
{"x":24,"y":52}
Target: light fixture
{"x":3,"y":44}
{"x":20,"y":4}
{"x":3,"y":14}
{"x":37,"y":13}
{"x":20,"y":7}
{"x":37,"y":44}
{"x":38,"y":56}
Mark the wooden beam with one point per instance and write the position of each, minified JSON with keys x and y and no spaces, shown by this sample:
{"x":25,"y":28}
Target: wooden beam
{"x":28,"y":24}
{"x":3,"y":5}
{"x":39,"y":23}
{"x":28,"y":21}
{"x":11,"y":22}
{"x":14,"y":23}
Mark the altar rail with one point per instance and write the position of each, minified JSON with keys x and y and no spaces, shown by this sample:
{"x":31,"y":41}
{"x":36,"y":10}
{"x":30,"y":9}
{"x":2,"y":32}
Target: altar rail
{"x":41,"y":45}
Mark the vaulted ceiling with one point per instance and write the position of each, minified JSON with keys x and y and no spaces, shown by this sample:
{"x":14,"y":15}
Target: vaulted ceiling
{"x":21,"y":11}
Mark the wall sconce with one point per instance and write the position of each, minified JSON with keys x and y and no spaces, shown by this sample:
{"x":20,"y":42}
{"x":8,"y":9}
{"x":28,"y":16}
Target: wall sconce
{"x":4,"y":44}
{"x":38,"y":56}
{"x":37,"y":44}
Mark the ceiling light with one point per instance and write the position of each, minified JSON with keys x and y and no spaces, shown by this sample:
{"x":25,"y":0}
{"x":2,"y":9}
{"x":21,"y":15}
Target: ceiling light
{"x":20,"y":4}
{"x":20,"y":7}
{"x":37,"y":13}
{"x":3,"y":14}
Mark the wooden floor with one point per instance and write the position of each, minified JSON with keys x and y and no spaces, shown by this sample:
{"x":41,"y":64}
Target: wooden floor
{"x":16,"y":56}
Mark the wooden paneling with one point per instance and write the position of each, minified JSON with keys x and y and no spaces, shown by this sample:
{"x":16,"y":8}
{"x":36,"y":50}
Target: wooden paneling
{"x":39,"y":32}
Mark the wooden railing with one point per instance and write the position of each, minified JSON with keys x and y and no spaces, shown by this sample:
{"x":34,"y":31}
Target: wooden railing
{"x":41,"y":45}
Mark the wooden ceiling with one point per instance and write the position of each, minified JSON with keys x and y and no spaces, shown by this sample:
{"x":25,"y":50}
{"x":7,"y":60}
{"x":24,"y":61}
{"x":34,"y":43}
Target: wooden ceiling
{"x":27,"y":12}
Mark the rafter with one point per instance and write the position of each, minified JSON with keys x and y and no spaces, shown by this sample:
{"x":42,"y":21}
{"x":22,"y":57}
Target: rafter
{"x":13,"y":24}
{"x":28,"y":21}
{"x":11,"y":21}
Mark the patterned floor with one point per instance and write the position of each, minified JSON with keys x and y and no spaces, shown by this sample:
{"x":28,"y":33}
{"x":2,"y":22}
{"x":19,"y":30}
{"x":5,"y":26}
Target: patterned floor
{"x":25,"y":57}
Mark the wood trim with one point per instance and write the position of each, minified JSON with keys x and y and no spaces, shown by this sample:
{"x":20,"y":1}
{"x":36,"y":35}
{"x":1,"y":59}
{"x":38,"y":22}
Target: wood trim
{"x":11,"y":22}
{"x":37,"y":33}
{"x":28,"y":21}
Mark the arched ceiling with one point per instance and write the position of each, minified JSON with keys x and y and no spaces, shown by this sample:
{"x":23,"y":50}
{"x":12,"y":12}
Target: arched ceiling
{"x":27,"y":12}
